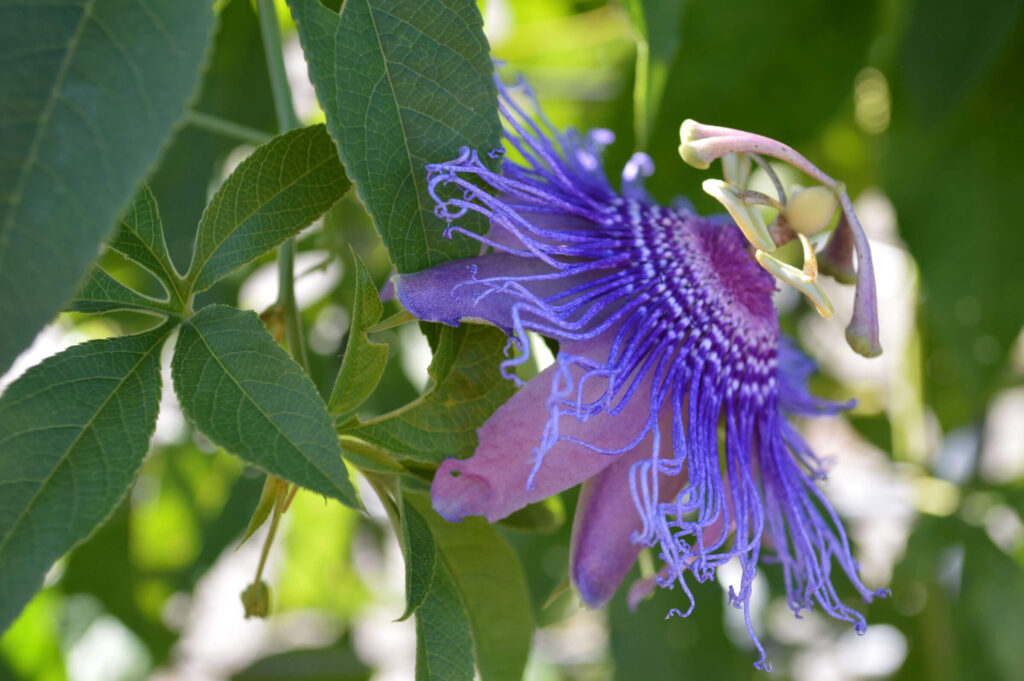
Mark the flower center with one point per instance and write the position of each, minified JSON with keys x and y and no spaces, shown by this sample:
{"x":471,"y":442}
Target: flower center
{"x":718,"y":299}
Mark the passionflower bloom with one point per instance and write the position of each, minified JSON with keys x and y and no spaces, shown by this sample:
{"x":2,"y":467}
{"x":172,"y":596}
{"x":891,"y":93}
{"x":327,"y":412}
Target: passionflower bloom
{"x":672,"y":390}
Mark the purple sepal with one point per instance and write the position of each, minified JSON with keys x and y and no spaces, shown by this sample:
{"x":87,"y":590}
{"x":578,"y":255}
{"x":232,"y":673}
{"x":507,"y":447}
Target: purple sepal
{"x":487,"y":288}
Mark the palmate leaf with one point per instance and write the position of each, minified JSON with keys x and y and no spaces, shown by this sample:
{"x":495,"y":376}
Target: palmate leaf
{"x":244,"y":392}
{"x":279,"y":189}
{"x":364,"y":361}
{"x":403,"y":84}
{"x":73,"y":433}
{"x":88,"y":93}
{"x":468,"y":387}
{"x":492,"y":587}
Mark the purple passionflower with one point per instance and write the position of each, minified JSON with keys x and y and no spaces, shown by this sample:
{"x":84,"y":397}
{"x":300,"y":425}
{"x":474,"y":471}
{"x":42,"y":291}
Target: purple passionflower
{"x":672,"y":390}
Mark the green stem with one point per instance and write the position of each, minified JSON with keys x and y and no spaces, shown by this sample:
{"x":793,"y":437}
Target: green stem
{"x":275,"y":520}
{"x":286,"y":300}
{"x":222,"y":126}
{"x":271,"y":32}
{"x":286,"y":120}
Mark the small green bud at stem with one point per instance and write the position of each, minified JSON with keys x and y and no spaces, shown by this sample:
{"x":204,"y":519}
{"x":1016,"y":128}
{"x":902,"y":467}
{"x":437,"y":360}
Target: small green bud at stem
{"x":256,"y":599}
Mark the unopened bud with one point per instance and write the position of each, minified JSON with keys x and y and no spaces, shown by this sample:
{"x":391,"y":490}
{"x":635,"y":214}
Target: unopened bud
{"x":256,"y":599}
{"x":809,"y":211}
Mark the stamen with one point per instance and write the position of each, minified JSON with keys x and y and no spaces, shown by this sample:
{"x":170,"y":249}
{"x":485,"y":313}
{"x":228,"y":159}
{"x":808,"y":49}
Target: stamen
{"x":701,"y":144}
{"x":747,"y":218}
{"x":804,"y":280}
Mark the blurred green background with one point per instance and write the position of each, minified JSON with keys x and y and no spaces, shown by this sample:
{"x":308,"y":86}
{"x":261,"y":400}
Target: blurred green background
{"x":915,"y":104}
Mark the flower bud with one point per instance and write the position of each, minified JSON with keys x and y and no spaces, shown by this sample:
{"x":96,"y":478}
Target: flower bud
{"x":256,"y":599}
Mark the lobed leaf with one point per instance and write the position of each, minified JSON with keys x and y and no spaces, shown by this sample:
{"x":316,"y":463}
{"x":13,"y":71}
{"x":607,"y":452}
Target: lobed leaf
{"x":364,"y":361}
{"x":468,"y":387}
{"x":278,"y":190}
{"x":73,"y":433}
{"x":88,"y":93}
{"x":244,"y":392}
{"x":403,"y":84}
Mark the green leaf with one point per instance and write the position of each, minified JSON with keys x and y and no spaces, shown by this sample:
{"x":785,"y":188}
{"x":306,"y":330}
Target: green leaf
{"x":403,"y":84}
{"x":243,"y":391}
{"x":957,"y":226}
{"x":644,"y":639}
{"x":543,"y":516}
{"x":949,"y":48}
{"x":88,"y":93}
{"x":140,"y":237}
{"x":102,"y":293}
{"x":444,"y":642}
{"x":74,"y":432}
{"x":364,"y":361}
{"x":235,"y":88}
{"x":339,"y":662}
{"x":420,"y":557}
{"x":489,"y":577}
{"x":468,"y":387}
{"x":968,"y":624}
{"x":281,"y":188}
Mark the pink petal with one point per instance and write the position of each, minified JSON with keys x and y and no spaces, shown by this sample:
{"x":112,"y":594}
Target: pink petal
{"x":492,"y":483}
{"x":602,"y":550}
